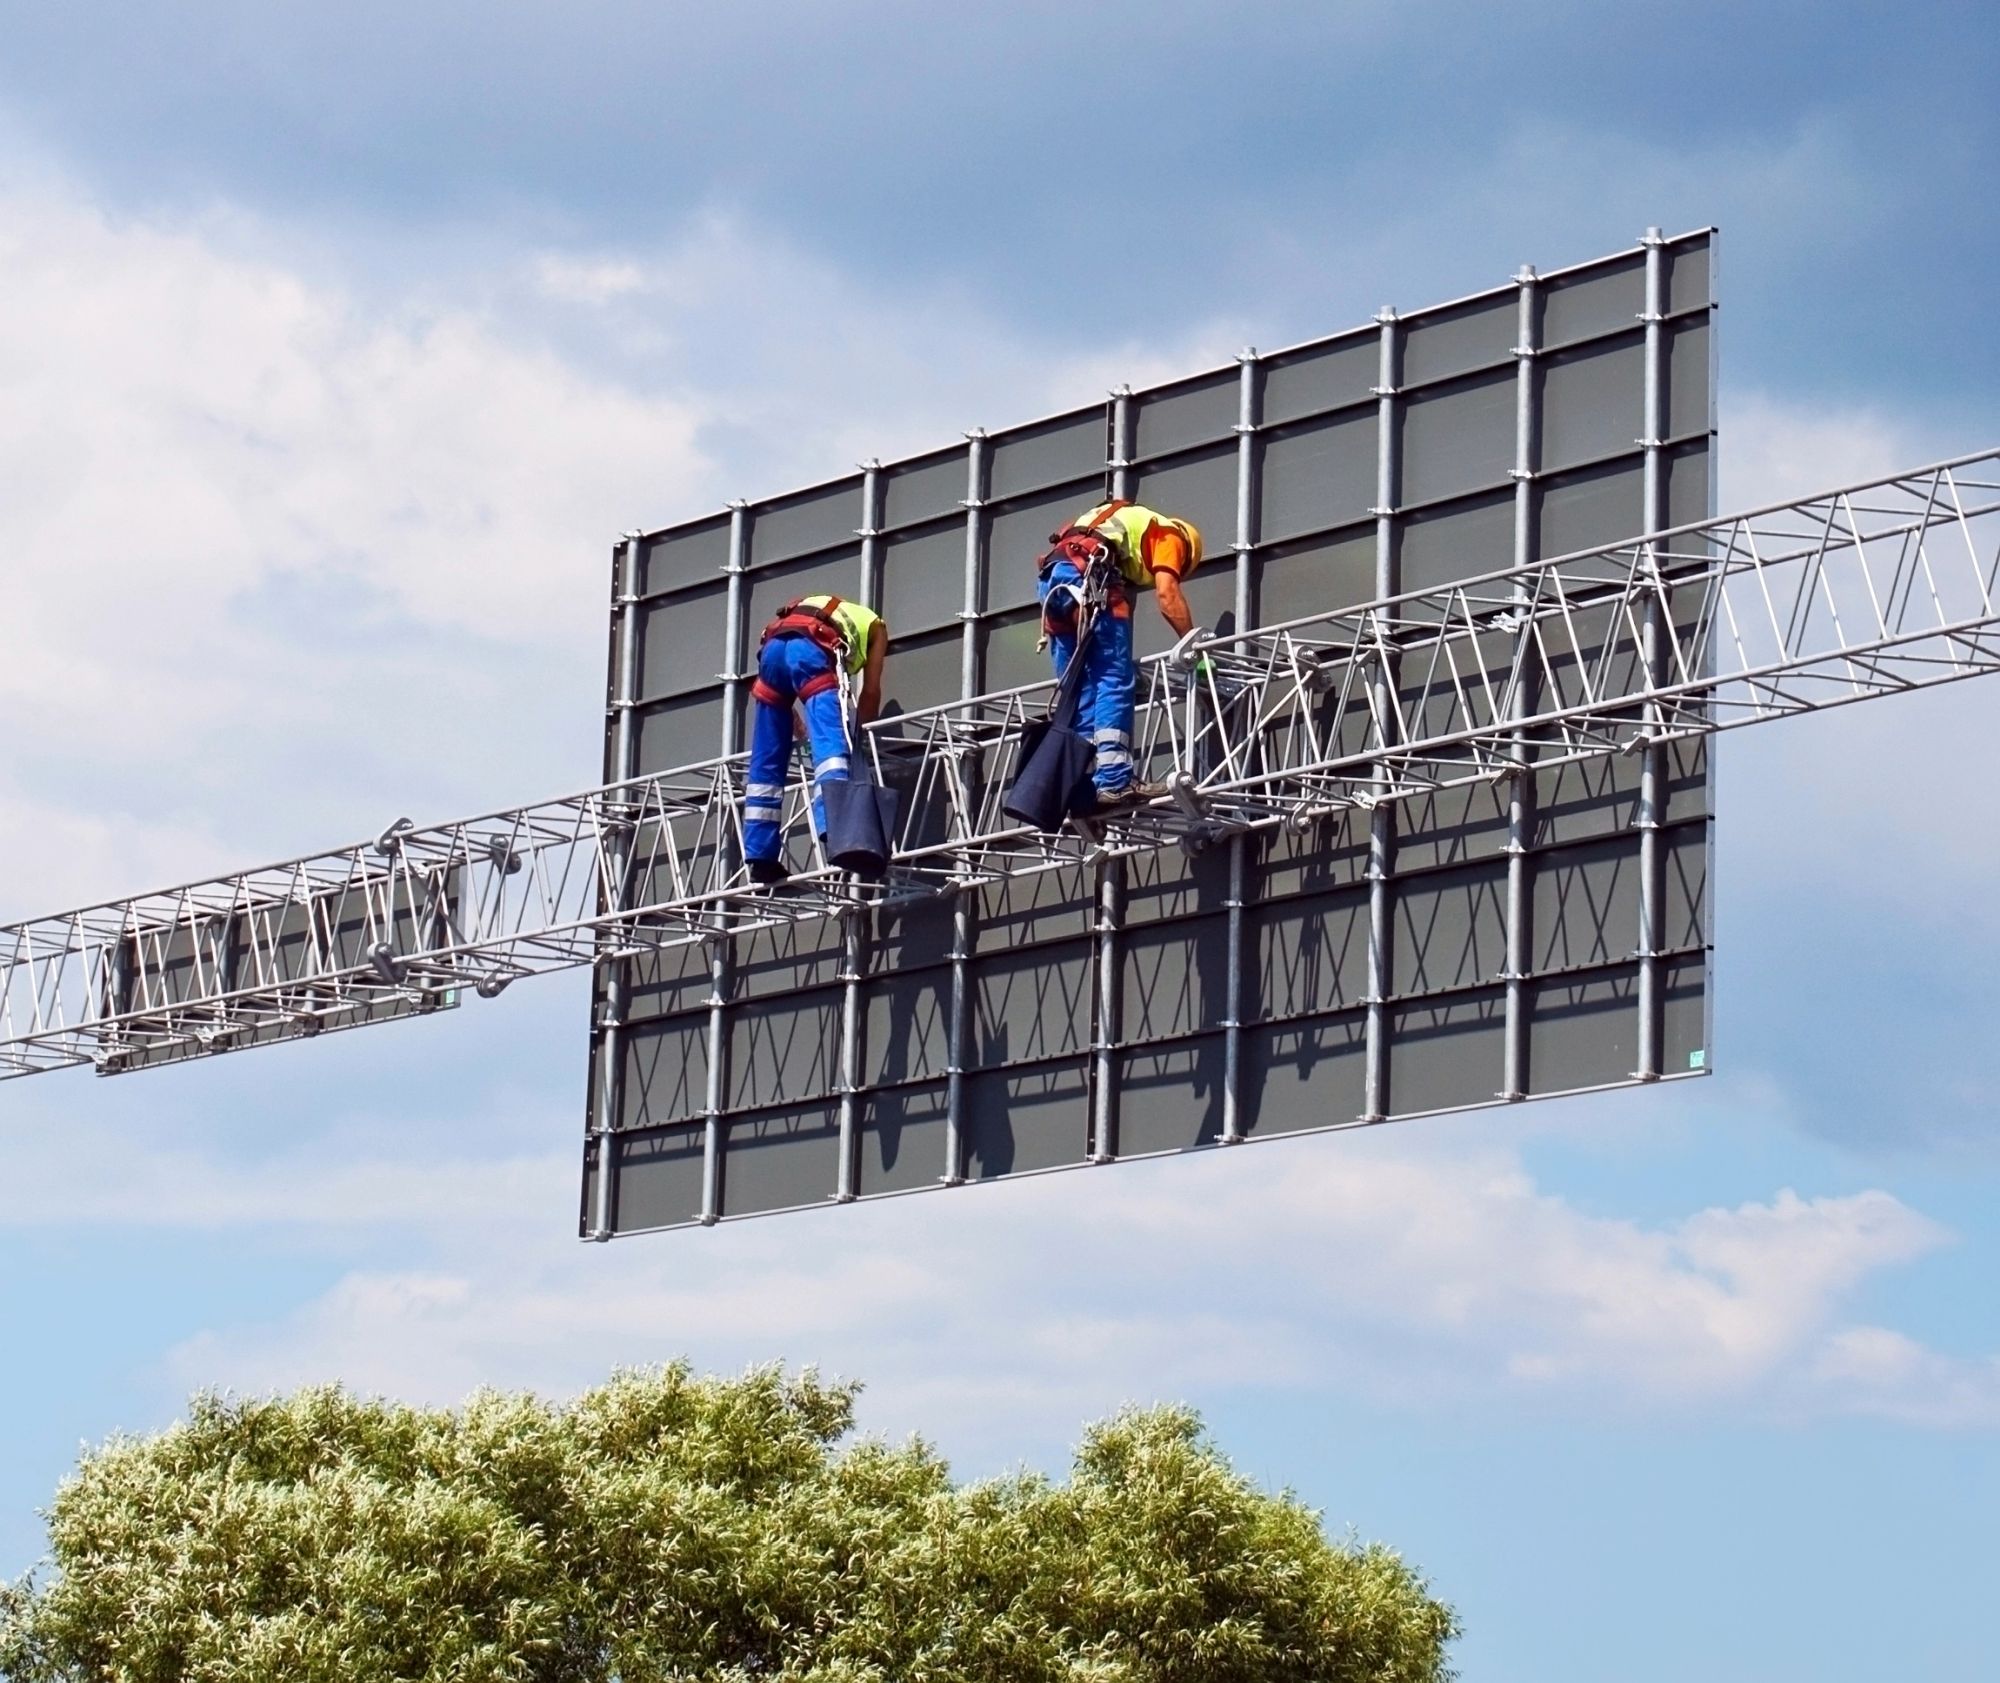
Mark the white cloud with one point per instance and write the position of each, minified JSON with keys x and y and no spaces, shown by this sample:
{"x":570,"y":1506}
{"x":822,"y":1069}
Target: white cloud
{"x":1416,"y":1269}
{"x":256,"y":532}
{"x":263,"y":531}
{"x":1774,"y":448}
{"x":1887,"y":1374}
{"x":574,"y":280}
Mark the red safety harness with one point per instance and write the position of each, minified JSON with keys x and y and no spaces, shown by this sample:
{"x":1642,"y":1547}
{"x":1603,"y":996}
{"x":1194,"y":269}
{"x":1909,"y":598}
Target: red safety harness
{"x":1087,"y":550}
{"x":800,"y":618}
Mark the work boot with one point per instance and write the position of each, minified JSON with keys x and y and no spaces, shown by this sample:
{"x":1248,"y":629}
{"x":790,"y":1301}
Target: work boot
{"x":766,"y":873}
{"x":1133,"y":794}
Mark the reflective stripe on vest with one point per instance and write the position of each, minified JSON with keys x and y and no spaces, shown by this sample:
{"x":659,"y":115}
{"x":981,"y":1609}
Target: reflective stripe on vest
{"x":855,"y":621}
{"x":1126,"y":526}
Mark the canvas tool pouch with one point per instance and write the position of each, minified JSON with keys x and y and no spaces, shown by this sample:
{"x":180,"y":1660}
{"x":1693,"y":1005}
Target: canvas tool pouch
{"x":1053,"y":783}
{"x":860,"y":825}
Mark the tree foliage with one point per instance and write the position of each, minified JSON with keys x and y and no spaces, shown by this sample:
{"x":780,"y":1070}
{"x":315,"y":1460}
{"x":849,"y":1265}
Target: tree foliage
{"x":667,"y":1526}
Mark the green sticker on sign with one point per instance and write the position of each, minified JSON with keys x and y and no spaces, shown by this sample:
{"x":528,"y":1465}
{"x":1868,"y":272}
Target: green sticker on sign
{"x":1698,"y":1059}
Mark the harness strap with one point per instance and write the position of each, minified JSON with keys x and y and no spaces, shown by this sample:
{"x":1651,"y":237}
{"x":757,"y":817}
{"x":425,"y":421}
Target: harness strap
{"x":800,"y":618}
{"x":819,"y":685}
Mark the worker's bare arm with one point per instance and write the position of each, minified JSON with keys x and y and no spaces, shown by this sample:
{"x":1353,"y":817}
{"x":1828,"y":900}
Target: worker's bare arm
{"x":1173,"y":605}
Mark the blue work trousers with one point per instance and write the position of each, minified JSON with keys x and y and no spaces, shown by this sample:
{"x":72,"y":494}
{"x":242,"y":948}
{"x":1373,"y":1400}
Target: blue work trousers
{"x":1106,"y":699}
{"x":786,"y":666}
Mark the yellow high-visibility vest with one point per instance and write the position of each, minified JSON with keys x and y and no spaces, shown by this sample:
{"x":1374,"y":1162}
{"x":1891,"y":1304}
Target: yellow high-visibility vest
{"x":1127,"y":527}
{"x":854,"y":620}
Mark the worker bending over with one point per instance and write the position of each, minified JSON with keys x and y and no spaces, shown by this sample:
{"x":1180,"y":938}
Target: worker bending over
{"x":809,"y":656}
{"x":1086,"y":583}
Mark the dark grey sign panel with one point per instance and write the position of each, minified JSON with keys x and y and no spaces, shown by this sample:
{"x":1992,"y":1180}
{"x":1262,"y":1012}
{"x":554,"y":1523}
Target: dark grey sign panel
{"x":1543,"y":417}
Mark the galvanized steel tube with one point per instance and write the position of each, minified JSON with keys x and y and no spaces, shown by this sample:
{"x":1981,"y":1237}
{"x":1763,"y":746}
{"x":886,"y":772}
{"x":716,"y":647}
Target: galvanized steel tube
{"x":958,"y":1026}
{"x":1111,"y":875}
{"x":617,"y":977}
{"x":1248,"y":395}
{"x":1381,"y":822}
{"x":957,"y":1038}
{"x":848,"y":1184}
{"x":721,"y":966}
{"x":1521,"y":785}
{"x":1653,"y":758}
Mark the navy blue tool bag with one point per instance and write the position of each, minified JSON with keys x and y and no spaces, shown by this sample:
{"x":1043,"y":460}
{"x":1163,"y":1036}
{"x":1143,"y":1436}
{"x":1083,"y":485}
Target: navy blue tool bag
{"x":1053,"y":784}
{"x":860,"y":825}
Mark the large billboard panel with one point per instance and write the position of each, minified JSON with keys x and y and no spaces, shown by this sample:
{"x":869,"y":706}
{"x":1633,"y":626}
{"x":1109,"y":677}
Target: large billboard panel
{"x":1524,"y":947}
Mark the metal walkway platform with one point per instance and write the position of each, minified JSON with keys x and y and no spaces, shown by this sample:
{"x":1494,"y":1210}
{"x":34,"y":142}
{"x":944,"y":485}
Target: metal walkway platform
{"x":1858,"y":592}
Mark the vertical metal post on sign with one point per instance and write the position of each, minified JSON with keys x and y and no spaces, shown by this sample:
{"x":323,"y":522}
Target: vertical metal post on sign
{"x":869,"y":532}
{"x":852,"y":954}
{"x":1249,"y":393}
{"x":853,"y":919}
{"x":1103,"y":1141}
{"x":721,"y":955}
{"x":958,"y":1024}
{"x":1653,"y":757}
{"x":974,"y":504}
{"x":958,"y":1036}
{"x":1521,"y":784}
{"x":618,"y":860}
{"x":1381,"y":821}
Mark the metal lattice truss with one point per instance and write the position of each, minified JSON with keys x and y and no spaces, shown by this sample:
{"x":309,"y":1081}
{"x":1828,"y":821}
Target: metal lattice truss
{"x":1860,"y":592}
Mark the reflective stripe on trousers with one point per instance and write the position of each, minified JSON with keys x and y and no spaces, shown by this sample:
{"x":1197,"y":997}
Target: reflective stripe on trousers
{"x":786,"y":665}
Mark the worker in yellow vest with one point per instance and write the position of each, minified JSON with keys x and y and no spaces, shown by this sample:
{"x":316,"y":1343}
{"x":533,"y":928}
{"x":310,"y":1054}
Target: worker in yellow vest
{"x":1086,"y":583}
{"x":804,"y":654}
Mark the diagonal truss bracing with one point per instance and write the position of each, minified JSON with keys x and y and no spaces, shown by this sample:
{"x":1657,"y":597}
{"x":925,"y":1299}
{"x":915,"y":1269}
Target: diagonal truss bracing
{"x":1835,"y":598}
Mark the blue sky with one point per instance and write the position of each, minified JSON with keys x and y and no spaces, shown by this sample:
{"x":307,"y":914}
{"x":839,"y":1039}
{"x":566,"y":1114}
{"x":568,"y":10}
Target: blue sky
{"x":338,"y":344}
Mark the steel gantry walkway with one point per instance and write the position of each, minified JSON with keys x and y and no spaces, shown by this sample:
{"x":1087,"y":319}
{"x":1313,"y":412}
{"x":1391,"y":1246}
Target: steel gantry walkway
{"x":1854,"y":593}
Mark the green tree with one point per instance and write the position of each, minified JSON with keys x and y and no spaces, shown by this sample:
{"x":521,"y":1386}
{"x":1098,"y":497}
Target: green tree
{"x":666,"y":1526}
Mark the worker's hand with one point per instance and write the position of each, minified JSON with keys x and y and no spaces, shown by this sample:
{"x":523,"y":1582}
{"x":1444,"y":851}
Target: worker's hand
{"x":1201,"y":666}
